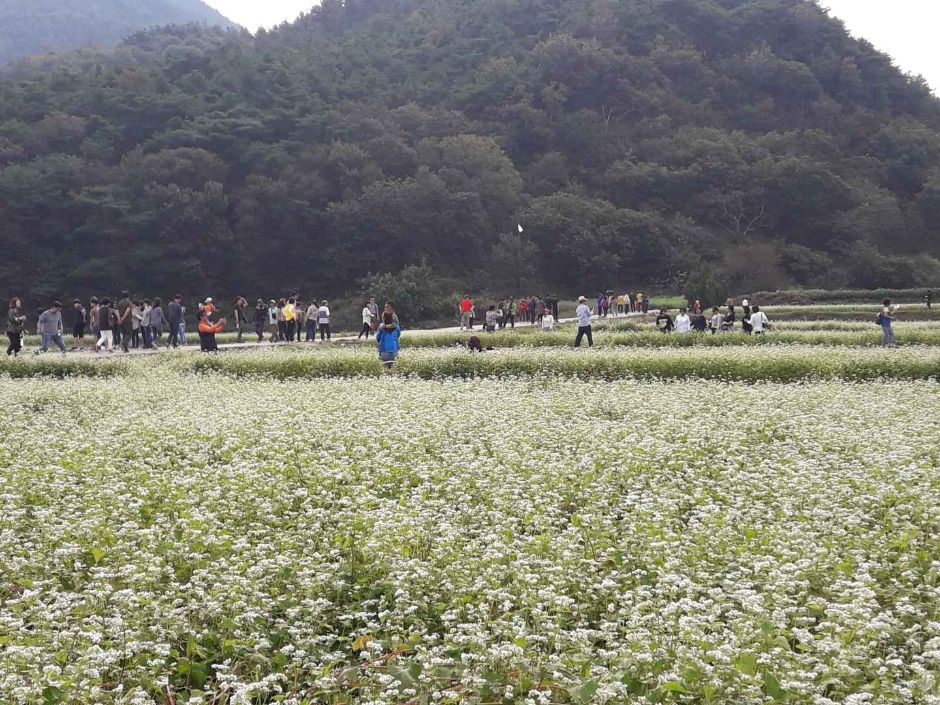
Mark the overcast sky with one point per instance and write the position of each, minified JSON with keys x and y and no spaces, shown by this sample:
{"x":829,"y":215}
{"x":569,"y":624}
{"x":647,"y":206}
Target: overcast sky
{"x":905,"y":29}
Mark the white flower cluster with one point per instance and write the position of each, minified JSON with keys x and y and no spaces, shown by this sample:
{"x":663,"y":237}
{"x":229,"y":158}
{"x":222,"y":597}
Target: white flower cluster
{"x":173,"y":537}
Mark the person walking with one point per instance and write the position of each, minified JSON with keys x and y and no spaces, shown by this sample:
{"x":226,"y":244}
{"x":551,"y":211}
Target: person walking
{"x":374,"y":310}
{"x":16,"y":322}
{"x":758,"y":321}
{"x":683,"y":322}
{"x":290,"y":320}
{"x":727,"y":323}
{"x":664,"y":321}
{"x":145,"y":328}
{"x":239,"y":306}
{"x":260,"y":319}
{"x":105,"y":326}
{"x":928,"y":299}
{"x":715,"y":323}
{"x":388,"y":338}
{"x":157,"y":322}
{"x":466,"y":313}
{"x":93,"y":318}
{"x":174,"y":317}
{"x":183,"y":328}
{"x":312,"y":311}
{"x":50,"y":328}
{"x":886,"y":319}
{"x":137,"y":316}
{"x":301,"y":316}
{"x":323,"y":320}
{"x":207,"y":329}
{"x":366,"y":321}
{"x":583,"y":313}
{"x":79,"y":322}
{"x":491,"y":319}
{"x":511,"y":312}
{"x":125,"y":320}
{"x":746,"y":314}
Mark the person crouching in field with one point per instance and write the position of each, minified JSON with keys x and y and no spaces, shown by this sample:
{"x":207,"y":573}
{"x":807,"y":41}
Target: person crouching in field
{"x":208,"y":329}
{"x":387,"y":336}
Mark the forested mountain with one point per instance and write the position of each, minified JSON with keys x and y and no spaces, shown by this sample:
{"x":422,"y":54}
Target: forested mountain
{"x":639,"y":142}
{"x":29,"y":27}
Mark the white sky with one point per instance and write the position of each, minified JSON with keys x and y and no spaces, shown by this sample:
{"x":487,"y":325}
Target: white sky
{"x":905,"y":29}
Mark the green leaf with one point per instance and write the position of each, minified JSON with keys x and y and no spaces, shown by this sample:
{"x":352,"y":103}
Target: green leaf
{"x":673,"y":687}
{"x":772,"y":687}
{"x":584,"y":692}
{"x":51,"y":695}
{"x":746,"y":663}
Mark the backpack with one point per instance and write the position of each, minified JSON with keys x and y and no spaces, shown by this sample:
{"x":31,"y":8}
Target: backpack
{"x":878,"y":319}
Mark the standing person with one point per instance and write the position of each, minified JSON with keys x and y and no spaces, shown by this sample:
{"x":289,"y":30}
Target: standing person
{"x":16,"y":322}
{"x":699,"y":322}
{"x":539,"y":310}
{"x":620,"y":300}
{"x":727,"y":323}
{"x":312,"y":311}
{"x":281,"y":320}
{"x":928,"y":298}
{"x":145,"y":328}
{"x":323,"y":320}
{"x":758,"y":321}
{"x":696,"y":307}
{"x":137,"y":316}
{"x":50,"y":328}
{"x":261,"y":318}
{"x":683,"y":322}
{"x":366,"y":321}
{"x":174,"y":316}
{"x":554,"y":306}
{"x":157,"y":322}
{"x":93,"y":318}
{"x":511,"y":312}
{"x":746,"y":317}
{"x":523,"y":310}
{"x":241,"y":303}
{"x":466,"y":313}
{"x":491,"y":319}
{"x":272,"y":320}
{"x":886,"y":319}
{"x":664,"y":321}
{"x":125,"y":320}
{"x":183,"y":328}
{"x":583,"y":313}
{"x":390,"y":308}
{"x":207,"y":329}
{"x":78,"y":325}
{"x":546,"y":322}
{"x":105,"y":326}
{"x":374,"y":310}
{"x":640,"y":302}
{"x":300,"y":317}
{"x":387,"y":336}
{"x":290,"y":320}
{"x":715,"y":323}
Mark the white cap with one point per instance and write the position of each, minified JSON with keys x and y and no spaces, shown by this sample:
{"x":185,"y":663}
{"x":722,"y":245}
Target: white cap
{"x":745,"y":303}
{"x":581,"y":298}
{"x":209,"y":300}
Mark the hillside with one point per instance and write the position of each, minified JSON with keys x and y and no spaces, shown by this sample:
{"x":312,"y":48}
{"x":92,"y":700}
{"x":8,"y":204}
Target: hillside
{"x":640,"y":143}
{"x":29,"y":27}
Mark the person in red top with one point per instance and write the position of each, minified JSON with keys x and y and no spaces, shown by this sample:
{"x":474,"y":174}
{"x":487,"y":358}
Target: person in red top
{"x":466,"y":313}
{"x":208,"y":329}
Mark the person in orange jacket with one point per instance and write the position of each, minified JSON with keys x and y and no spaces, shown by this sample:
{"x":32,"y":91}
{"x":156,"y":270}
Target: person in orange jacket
{"x":208,"y":329}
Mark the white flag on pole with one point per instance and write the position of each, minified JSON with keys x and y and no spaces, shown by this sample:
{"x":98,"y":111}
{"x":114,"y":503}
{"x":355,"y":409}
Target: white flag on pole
{"x":520,"y":228}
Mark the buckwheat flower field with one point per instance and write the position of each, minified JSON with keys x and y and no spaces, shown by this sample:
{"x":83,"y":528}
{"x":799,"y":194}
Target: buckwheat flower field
{"x":174,"y":535}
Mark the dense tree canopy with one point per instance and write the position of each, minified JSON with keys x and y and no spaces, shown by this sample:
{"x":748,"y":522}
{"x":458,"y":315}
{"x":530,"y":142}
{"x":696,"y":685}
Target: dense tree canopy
{"x":640,"y":142}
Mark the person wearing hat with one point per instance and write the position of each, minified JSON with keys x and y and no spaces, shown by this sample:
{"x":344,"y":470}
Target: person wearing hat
{"x":50,"y":328}
{"x":746,"y":317}
{"x":174,"y":318}
{"x":261,"y":317}
{"x":584,"y":313}
{"x":323,"y":320}
{"x":272,"y":319}
{"x":207,"y":329}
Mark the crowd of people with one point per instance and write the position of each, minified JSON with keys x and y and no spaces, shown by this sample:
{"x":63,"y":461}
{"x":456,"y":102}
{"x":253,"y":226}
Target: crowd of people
{"x":130,"y":323}
{"x":133,"y":323}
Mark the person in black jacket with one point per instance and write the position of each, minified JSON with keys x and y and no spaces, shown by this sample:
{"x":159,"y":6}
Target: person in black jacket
{"x":261,"y":319}
{"x":174,"y":318}
{"x":664,"y":321}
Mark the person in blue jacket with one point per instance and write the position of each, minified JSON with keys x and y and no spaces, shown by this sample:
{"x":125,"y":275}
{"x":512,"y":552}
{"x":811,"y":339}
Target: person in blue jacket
{"x":387,"y":337}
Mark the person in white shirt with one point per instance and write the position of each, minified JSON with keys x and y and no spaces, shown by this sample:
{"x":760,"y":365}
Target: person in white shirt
{"x":323,"y":319}
{"x":366,"y":321}
{"x":683,"y":322}
{"x":716,"y":320}
{"x":548,"y":322}
{"x":584,"y":313}
{"x":758,"y":321}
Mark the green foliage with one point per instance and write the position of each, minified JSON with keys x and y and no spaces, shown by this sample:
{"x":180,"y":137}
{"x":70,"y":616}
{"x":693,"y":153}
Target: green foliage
{"x":415,"y":289}
{"x":706,"y":286}
{"x":368,"y":136}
